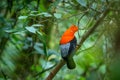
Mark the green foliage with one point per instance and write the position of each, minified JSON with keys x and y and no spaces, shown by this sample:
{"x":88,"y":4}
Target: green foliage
{"x":30,"y":31}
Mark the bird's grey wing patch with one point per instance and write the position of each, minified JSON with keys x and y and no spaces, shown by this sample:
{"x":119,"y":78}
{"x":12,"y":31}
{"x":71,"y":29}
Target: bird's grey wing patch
{"x":64,"y":49}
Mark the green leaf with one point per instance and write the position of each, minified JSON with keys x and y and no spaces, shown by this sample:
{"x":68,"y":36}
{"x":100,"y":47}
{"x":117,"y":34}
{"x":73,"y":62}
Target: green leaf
{"x":50,"y":52}
{"x":94,"y":5}
{"x":42,"y":37}
{"x":34,"y":12}
{"x":15,"y":30}
{"x":22,"y":17}
{"x":102,"y":69}
{"x":37,"y":25}
{"x":45,"y":14}
{"x":36,"y":68}
{"x":31,"y":29}
{"x":82,"y":2}
{"x":45,"y":48}
{"x":57,"y":15}
{"x":38,"y":48}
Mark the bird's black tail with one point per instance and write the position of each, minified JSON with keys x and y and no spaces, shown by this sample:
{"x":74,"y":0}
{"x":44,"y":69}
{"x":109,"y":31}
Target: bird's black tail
{"x":70,"y":62}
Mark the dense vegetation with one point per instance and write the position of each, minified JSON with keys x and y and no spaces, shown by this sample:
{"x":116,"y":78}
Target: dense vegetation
{"x":30,"y":31}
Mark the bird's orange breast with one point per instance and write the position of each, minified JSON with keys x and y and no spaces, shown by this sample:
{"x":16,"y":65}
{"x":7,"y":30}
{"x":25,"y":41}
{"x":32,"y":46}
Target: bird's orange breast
{"x":68,"y":35}
{"x":66,"y":39}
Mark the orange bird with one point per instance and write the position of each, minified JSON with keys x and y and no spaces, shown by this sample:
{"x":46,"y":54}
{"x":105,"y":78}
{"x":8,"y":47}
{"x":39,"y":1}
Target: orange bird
{"x":68,"y":44}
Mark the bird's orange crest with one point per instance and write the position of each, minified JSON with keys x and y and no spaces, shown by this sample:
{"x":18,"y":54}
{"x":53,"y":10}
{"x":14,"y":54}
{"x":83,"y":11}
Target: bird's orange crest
{"x":68,"y":35}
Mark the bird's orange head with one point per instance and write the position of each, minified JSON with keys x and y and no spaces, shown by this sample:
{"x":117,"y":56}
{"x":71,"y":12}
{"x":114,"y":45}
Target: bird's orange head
{"x":68,"y":35}
{"x":73,"y":28}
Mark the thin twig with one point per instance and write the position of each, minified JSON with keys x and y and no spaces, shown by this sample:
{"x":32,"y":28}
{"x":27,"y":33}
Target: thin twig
{"x":92,"y":29}
{"x":97,"y":40}
{"x":79,"y":22}
{"x":44,"y":70}
{"x":66,"y":18}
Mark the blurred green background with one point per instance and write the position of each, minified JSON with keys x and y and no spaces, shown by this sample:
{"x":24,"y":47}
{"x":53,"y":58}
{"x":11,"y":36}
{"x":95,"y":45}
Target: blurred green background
{"x":30,"y":31}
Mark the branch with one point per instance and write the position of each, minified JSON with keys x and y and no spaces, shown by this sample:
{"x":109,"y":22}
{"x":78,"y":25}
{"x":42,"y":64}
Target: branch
{"x":84,"y":37}
{"x":55,"y":70}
